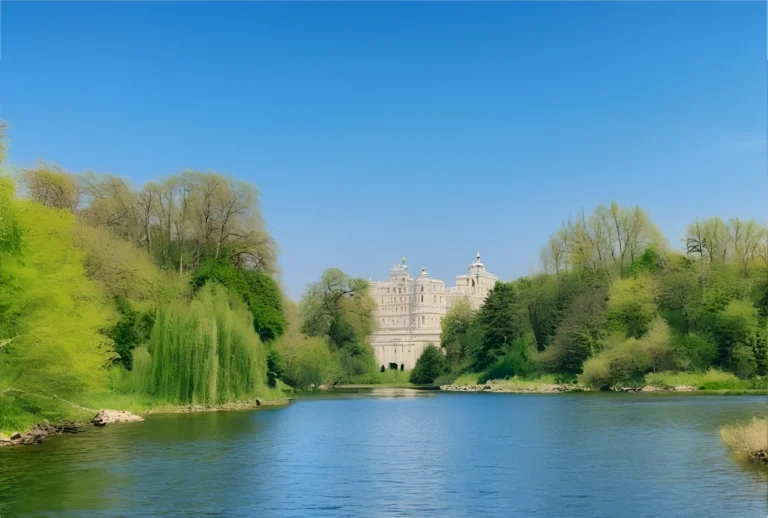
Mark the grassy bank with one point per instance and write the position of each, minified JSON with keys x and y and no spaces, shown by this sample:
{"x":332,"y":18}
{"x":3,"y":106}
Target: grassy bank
{"x":748,"y":440}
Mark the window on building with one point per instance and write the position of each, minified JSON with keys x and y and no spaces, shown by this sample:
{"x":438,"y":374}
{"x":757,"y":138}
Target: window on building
{"x":422,"y":319}
{"x":422,"y":289}
{"x":422,"y":298}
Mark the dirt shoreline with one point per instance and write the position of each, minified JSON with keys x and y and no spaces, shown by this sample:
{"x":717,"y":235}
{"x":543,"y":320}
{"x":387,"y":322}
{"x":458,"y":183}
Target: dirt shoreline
{"x":44,"y":430}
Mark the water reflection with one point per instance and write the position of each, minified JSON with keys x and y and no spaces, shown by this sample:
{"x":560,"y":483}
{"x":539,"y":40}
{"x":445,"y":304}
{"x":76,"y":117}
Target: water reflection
{"x":401,"y":452}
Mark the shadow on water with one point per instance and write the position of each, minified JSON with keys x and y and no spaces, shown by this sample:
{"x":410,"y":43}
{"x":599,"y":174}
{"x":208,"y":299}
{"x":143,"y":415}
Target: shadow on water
{"x":99,"y":468}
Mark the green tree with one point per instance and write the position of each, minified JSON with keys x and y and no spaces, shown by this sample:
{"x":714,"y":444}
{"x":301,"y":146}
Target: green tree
{"x":503,"y":320}
{"x":275,"y":367}
{"x":259,"y":291}
{"x":631,"y":308}
{"x":429,"y":366}
{"x":338,"y":307}
{"x":131,"y":331}
{"x":455,"y":326}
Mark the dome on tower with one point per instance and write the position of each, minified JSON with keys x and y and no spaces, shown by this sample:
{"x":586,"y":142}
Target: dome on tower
{"x":477,"y":265}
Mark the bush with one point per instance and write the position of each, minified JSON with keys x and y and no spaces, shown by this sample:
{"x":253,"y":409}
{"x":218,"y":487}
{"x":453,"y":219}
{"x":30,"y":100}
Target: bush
{"x":630,"y":360}
{"x":694,"y":351}
{"x":515,"y":363}
{"x":429,"y":366}
{"x":308,"y":362}
{"x":710,"y":380}
{"x":749,"y":440}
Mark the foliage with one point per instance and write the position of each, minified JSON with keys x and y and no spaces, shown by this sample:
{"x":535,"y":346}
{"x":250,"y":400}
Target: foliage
{"x":429,"y":366}
{"x":454,"y":328}
{"x":10,"y":227}
{"x":710,"y":380}
{"x":503,"y":322}
{"x":580,"y":335}
{"x":259,"y":291}
{"x":184,"y":219}
{"x":132,"y":330}
{"x":207,"y":352}
{"x":337,"y":300}
{"x":694,"y":351}
{"x":275,"y":367}
{"x":515,"y":363}
{"x":631,"y":308}
{"x":123,"y":270}
{"x":51,"y":186}
{"x":630,"y":360}
{"x":51,"y":315}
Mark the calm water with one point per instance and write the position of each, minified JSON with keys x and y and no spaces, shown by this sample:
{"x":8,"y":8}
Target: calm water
{"x":402,"y":453}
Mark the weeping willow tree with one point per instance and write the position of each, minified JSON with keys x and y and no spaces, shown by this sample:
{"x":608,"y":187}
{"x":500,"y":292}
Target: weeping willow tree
{"x":203,"y":353}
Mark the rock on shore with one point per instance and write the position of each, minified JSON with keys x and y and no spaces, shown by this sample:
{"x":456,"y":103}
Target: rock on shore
{"x":37,"y":433}
{"x":106,"y":417}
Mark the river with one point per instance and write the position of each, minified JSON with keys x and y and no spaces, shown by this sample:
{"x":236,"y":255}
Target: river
{"x":400,"y":452}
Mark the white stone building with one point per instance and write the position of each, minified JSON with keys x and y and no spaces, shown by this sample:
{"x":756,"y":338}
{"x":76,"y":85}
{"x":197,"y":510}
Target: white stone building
{"x":409,"y":311}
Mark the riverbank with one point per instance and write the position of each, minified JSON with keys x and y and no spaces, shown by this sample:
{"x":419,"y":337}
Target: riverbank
{"x":38,"y":432}
{"x":515,"y":386}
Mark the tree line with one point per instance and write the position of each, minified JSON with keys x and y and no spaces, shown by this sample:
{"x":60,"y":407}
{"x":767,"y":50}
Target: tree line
{"x":614,"y":303}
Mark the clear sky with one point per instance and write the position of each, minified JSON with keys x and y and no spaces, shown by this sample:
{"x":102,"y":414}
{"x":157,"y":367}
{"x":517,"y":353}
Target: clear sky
{"x":377,"y":130}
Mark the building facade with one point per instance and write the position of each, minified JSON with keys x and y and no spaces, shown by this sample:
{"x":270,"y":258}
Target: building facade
{"x":409,"y":311}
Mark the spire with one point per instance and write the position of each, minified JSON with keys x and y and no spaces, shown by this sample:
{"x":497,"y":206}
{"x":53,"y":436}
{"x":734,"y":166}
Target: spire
{"x":478,"y":256}
{"x":402,"y":260}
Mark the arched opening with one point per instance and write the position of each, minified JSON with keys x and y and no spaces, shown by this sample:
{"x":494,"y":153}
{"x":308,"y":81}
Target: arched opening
{"x":393,"y":366}
{"x":402,"y":367}
{"x":473,"y":283}
{"x":383,"y":368}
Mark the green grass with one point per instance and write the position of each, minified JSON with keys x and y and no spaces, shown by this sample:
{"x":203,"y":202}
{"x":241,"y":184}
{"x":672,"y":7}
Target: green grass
{"x":388,"y":377}
{"x":711,"y":380}
{"x":468,"y":378}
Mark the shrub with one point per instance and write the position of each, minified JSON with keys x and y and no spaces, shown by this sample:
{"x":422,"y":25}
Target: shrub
{"x":694,"y":351}
{"x":630,"y":360}
{"x":429,"y":366}
{"x":515,"y":363}
{"x":710,"y":380}
{"x":749,"y":440}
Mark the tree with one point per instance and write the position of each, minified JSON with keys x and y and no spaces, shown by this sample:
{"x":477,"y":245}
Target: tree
{"x":275,"y":367}
{"x":580,"y":334}
{"x":632,"y":309}
{"x":260,"y":292}
{"x":10,"y":229}
{"x":502,"y":320}
{"x":337,"y":305}
{"x":455,"y":325}
{"x":429,"y":366}
{"x":50,"y":185}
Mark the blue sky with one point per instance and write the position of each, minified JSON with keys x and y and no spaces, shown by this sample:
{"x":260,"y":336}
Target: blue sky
{"x":377,"y":130}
